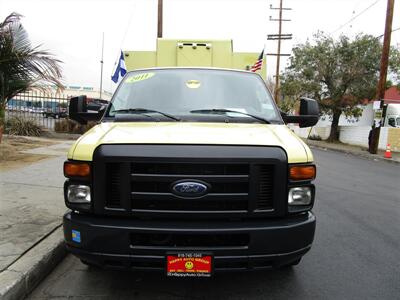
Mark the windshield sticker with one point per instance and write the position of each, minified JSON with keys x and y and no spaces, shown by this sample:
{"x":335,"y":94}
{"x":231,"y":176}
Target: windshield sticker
{"x":193,"y":84}
{"x":139,"y":77}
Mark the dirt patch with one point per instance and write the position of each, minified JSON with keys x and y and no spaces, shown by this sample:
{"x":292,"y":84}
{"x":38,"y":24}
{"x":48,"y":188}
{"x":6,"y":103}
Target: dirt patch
{"x":10,"y":155}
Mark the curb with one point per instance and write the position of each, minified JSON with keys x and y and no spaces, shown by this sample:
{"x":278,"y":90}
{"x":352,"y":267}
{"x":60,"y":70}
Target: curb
{"x":20,"y":278}
{"x":48,"y":136}
{"x":58,"y":138}
{"x":355,"y":153}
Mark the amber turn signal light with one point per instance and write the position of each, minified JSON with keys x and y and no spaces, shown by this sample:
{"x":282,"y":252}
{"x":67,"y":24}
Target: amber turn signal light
{"x":302,"y":172}
{"x":76,"y":169}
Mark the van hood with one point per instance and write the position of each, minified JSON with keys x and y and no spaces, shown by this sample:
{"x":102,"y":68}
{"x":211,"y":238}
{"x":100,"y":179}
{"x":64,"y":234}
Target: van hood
{"x":191,"y":133}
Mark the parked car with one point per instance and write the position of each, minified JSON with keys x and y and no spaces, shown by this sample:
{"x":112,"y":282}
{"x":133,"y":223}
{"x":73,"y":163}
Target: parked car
{"x":36,"y":110}
{"x":56,"y":113}
{"x":55,"y":109}
{"x":392,"y":115}
{"x":94,"y":104}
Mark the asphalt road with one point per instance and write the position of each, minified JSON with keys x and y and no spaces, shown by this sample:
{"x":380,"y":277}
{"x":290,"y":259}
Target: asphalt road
{"x":355,"y":255}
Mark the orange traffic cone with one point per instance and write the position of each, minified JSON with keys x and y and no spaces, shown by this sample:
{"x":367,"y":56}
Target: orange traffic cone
{"x":388,"y":153}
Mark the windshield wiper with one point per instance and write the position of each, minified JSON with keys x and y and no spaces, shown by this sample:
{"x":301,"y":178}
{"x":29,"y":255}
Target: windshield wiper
{"x":223,"y":110}
{"x":145,"y":110}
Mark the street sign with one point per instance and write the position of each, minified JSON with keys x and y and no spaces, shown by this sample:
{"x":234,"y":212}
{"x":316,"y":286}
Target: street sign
{"x":377,"y":105}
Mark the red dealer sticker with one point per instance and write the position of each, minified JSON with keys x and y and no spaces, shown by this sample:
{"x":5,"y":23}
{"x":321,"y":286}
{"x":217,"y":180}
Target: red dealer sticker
{"x":189,"y":265}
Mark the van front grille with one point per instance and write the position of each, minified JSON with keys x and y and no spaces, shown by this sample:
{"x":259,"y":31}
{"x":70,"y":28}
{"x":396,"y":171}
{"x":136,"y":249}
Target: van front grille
{"x":151,"y":186}
{"x":238,"y":182}
{"x":229,"y":187}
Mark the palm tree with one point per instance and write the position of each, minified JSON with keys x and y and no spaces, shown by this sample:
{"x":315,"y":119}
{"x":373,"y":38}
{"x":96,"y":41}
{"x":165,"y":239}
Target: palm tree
{"x":22,"y":66}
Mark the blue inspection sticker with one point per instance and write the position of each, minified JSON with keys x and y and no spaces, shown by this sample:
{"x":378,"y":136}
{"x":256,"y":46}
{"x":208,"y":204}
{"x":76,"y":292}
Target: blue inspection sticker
{"x":76,"y":236}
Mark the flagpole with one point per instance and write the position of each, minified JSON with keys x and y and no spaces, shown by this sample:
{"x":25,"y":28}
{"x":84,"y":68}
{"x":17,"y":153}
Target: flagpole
{"x":101,"y":62}
{"x":265,"y":62}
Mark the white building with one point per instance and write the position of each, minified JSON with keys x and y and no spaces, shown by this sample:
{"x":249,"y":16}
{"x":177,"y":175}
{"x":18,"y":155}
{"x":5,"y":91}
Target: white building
{"x":90,"y":92}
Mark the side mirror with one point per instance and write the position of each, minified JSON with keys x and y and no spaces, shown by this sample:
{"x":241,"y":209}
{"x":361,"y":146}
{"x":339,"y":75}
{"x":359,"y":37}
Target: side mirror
{"x":309,"y":107}
{"x":78,"y":111}
{"x":309,"y":114}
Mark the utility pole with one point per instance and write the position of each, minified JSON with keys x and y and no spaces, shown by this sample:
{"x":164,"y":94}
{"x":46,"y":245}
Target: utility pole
{"x":160,"y":19}
{"x":101,"y":63}
{"x":279,"y":37}
{"x":380,"y":90}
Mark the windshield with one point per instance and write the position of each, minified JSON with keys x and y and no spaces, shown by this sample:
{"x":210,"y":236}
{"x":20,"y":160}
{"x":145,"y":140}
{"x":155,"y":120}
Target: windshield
{"x":190,"y":93}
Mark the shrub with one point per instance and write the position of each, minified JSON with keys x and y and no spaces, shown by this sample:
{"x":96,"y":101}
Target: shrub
{"x":70,"y":126}
{"x":22,"y":126}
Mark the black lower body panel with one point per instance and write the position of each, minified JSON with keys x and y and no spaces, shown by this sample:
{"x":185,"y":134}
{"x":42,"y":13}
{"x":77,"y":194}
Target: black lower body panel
{"x":143,"y":244}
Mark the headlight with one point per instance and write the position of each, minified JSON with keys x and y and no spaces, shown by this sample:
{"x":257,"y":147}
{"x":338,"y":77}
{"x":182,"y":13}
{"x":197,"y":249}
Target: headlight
{"x":300,"y":196}
{"x":78,"y":193}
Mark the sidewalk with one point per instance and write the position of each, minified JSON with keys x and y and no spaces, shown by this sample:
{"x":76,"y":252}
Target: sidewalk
{"x":355,"y":150}
{"x":30,"y":219}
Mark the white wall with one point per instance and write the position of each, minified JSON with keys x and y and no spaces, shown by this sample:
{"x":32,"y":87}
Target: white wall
{"x":366,"y":119}
{"x":352,"y":131}
{"x":383,"y":138}
{"x":322,"y":132}
{"x":359,"y":136}
{"x":353,"y":135}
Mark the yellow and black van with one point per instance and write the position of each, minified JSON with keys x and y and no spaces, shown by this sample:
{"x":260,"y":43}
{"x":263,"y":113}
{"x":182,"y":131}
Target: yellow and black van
{"x":190,"y":171}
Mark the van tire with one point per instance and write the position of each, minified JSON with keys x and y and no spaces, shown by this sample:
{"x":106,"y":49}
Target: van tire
{"x":293,"y":263}
{"x":290,"y":265}
{"x":296,"y":262}
{"x":90,"y":265}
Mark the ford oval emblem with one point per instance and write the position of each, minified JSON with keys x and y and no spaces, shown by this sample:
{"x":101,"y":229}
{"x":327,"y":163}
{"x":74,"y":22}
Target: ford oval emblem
{"x":189,"y":189}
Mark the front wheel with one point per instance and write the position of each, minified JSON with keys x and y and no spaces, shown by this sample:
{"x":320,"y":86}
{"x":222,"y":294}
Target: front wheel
{"x":292,"y":264}
{"x":289,"y":265}
{"x":90,"y":265}
{"x":295,"y":263}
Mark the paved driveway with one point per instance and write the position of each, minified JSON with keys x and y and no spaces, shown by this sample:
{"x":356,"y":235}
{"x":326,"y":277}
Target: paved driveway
{"x":31,"y":202}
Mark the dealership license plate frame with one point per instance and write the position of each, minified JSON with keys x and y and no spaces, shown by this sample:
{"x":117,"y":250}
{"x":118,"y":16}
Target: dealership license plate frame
{"x":187,"y":256}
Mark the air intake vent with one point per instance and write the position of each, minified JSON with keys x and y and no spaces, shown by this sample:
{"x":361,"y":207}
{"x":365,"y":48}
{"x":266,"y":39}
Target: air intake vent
{"x":265,"y":187}
{"x":113,"y":174}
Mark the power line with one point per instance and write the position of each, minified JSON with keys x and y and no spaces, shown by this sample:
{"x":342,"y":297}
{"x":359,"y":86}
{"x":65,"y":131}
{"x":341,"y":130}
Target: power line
{"x":356,"y":16}
{"x":378,"y":37}
{"x":123,"y":39}
{"x":129,"y":24}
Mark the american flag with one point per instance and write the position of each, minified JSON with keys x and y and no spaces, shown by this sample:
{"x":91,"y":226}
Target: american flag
{"x":258,"y":64}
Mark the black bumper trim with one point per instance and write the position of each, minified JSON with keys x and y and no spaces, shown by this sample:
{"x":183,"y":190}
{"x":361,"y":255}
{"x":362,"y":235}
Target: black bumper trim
{"x":107,"y":242}
{"x":156,"y":263}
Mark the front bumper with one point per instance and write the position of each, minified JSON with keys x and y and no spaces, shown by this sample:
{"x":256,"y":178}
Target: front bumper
{"x":240,"y":245}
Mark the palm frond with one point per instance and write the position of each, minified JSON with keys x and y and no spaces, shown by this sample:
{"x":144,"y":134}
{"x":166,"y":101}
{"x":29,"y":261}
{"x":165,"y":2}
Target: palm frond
{"x":23,"y":66}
